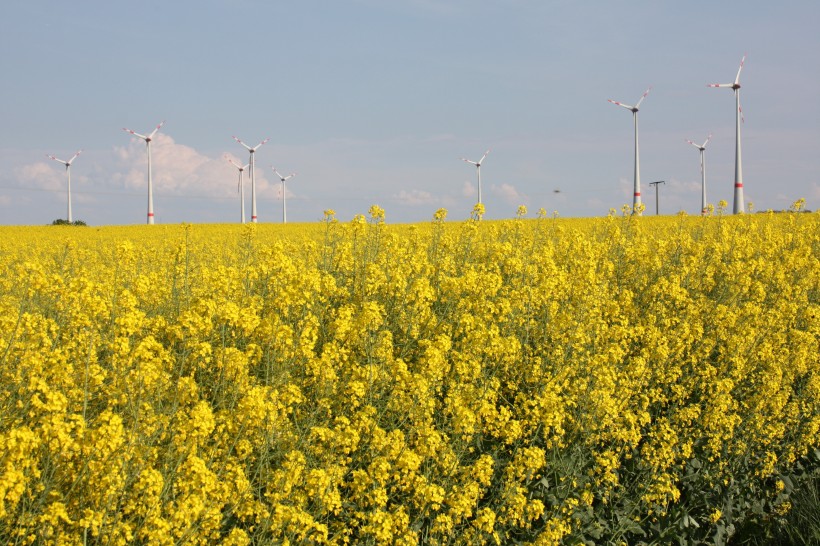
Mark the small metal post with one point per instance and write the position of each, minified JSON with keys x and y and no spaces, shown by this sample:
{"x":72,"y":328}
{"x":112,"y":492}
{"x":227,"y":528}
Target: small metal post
{"x":656,"y":194}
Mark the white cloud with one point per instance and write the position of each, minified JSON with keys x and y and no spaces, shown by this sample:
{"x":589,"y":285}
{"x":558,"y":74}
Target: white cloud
{"x":510,"y":194}
{"x":178,"y":169}
{"x":626,"y":187}
{"x":45,"y":183}
{"x":40,"y":175}
{"x":468,"y":189}
{"x":415,"y":197}
{"x":51,"y":178}
{"x":597,"y":206}
{"x":685,"y":188}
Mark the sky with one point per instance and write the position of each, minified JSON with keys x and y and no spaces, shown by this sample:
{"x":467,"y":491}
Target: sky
{"x":376,"y":102}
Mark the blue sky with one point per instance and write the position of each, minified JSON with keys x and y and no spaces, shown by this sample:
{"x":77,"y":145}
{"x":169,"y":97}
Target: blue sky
{"x":376,"y":101}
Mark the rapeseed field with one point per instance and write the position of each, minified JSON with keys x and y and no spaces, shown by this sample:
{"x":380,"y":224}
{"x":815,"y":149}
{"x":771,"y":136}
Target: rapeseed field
{"x":529,"y":381}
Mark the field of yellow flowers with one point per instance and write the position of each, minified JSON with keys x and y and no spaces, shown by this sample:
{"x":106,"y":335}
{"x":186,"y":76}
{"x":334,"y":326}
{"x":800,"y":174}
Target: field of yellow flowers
{"x":529,"y":381}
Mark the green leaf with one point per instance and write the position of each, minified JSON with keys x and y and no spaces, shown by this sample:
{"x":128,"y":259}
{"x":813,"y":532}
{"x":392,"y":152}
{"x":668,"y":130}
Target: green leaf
{"x":630,"y":525}
{"x":788,"y":483}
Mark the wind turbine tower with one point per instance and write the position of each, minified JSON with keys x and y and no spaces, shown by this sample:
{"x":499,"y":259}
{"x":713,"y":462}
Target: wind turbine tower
{"x":147,"y":140}
{"x":739,"y":207}
{"x":68,"y":172}
{"x":478,"y":170}
{"x":252,"y":174}
{"x":636,"y":195}
{"x":284,"y":193}
{"x":240,"y":187}
{"x":702,"y":148}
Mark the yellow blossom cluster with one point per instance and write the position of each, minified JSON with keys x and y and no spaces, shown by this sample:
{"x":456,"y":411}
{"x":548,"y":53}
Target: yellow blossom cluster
{"x":481,"y":382}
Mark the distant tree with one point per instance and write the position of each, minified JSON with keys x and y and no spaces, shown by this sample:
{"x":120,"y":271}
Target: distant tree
{"x":61,"y":222}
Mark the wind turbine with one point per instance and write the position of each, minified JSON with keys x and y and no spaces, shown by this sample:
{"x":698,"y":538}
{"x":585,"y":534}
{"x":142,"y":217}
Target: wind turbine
{"x":478,"y":170}
{"x":738,"y":207}
{"x":68,"y":172}
{"x":147,"y":140}
{"x":636,"y":196}
{"x":284,"y":193}
{"x":253,"y":174}
{"x":240,"y":187}
{"x":702,"y":148}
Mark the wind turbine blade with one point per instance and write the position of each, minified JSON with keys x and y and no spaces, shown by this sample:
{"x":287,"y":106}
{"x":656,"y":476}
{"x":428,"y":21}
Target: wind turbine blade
{"x":260,"y":144}
{"x":143,"y":137}
{"x":242,"y":143}
{"x":156,"y":129}
{"x":707,"y":140}
{"x":645,"y":93}
{"x":483,"y":157}
{"x":276,"y":172}
{"x":730,"y":85}
{"x":737,"y":78}
{"x":234,"y":163}
{"x":56,"y":159}
{"x":468,"y":161}
{"x":291,"y":175}
{"x":692,"y":143}
{"x":628,"y":107}
{"x":740,"y":109}
{"x":74,"y":157}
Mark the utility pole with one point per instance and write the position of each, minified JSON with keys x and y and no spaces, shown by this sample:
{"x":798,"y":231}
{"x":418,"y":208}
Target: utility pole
{"x":656,"y":193}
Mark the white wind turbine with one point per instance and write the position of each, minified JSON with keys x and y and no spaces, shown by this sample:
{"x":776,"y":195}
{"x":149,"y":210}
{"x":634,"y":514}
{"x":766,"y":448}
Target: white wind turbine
{"x":478,"y":170}
{"x":636,"y":196}
{"x":68,"y":172}
{"x":702,"y":148}
{"x":252,"y":174}
{"x":240,"y":186}
{"x":738,"y":207}
{"x":147,"y":140}
{"x":284,"y":193}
